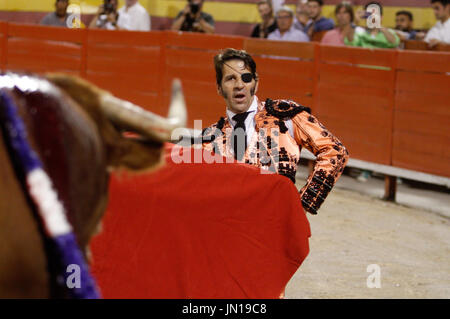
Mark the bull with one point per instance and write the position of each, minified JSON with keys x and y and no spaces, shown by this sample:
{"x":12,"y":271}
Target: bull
{"x":76,"y":129}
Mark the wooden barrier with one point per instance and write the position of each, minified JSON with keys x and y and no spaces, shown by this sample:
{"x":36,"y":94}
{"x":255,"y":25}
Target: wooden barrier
{"x":129,"y":64}
{"x":39,"y":49}
{"x":443,"y":47}
{"x":355,"y":99}
{"x":286,"y":70}
{"x":389,"y":107}
{"x":423,"y":46}
{"x":421,"y":130}
{"x":3,"y":44}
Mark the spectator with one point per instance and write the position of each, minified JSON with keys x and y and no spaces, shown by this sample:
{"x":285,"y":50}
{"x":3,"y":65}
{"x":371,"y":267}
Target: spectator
{"x":318,"y":22}
{"x":133,"y":17}
{"x":107,"y":16}
{"x":286,"y":30}
{"x":404,"y":26}
{"x":301,"y":15}
{"x":375,"y":36}
{"x":59,"y":17}
{"x":441,"y":30}
{"x":345,"y":17}
{"x":193,"y":19}
{"x":268,"y":24}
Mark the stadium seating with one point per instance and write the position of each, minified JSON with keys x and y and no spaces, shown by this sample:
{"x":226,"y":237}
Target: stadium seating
{"x":385,"y":105}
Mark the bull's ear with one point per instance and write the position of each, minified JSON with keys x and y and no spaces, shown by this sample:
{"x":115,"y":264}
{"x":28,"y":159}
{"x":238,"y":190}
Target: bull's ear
{"x":136,"y":154}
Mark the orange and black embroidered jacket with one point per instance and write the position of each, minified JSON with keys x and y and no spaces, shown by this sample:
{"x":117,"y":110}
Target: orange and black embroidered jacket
{"x":273,"y":148}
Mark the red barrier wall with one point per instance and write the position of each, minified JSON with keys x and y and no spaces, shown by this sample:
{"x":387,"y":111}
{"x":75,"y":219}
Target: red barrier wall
{"x":129,"y":64}
{"x":285,"y":71}
{"x":387,"y":106}
{"x":421,"y":130}
{"x":3,"y":44}
{"x":32,"y":49}
{"x":355,"y":99}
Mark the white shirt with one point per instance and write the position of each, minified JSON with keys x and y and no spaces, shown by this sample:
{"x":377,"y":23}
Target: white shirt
{"x":135,"y":18}
{"x":293,"y":35}
{"x":250,"y":120}
{"x":440,"y":31}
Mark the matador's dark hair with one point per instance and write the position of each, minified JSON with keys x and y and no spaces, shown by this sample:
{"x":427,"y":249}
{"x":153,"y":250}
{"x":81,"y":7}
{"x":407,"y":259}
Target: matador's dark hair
{"x":231,"y":54}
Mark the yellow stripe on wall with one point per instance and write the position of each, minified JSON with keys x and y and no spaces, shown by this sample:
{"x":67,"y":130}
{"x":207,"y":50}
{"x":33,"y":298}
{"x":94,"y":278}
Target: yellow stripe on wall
{"x":46,"y":5}
{"x":221,"y":11}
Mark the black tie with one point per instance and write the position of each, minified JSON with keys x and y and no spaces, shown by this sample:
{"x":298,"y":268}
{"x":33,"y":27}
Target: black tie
{"x":239,"y":137}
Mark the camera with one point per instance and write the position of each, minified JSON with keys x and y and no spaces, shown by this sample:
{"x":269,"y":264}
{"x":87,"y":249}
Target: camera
{"x":194,"y":7}
{"x":108,"y":7}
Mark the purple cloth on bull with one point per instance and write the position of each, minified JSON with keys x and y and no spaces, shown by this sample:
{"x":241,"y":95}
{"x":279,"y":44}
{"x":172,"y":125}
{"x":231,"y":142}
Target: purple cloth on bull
{"x":63,"y":244}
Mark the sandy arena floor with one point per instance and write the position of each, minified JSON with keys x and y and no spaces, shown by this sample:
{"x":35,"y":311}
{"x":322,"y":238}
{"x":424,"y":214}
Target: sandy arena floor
{"x":351,"y":231}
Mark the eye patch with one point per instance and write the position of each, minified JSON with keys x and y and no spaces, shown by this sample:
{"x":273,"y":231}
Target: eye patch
{"x":246,"y":77}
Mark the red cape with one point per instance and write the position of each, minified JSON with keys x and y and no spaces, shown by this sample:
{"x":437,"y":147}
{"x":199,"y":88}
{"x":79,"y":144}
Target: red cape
{"x":200,"y":231}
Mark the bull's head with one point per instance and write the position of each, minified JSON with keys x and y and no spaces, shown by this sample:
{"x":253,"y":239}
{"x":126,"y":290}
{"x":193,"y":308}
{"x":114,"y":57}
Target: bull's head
{"x":113,"y":115}
{"x":77,"y":131}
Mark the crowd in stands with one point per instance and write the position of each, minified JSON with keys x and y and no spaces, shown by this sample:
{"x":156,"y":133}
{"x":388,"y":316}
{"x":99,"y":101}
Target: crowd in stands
{"x":280,"y":22}
{"x":360,"y":28}
{"x":132,"y":16}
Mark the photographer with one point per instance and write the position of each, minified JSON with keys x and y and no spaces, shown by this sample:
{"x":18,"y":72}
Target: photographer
{"x":192,"y":18}
{"x":106,"y":17}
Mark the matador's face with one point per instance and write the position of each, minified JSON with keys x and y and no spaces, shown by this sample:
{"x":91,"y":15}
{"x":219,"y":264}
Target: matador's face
{"x":238,"y":94}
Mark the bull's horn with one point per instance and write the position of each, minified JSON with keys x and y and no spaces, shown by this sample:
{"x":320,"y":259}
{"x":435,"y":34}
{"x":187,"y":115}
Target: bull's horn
{"x":177,"y":109}
{"x":131,"y":116}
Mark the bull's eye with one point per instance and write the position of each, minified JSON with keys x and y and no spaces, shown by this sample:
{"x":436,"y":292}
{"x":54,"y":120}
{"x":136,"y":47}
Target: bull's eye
{"x":246,"y":77}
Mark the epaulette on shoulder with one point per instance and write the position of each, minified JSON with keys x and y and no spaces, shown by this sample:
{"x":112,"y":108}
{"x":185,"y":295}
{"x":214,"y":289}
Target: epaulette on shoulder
{"x":284,"y":109}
